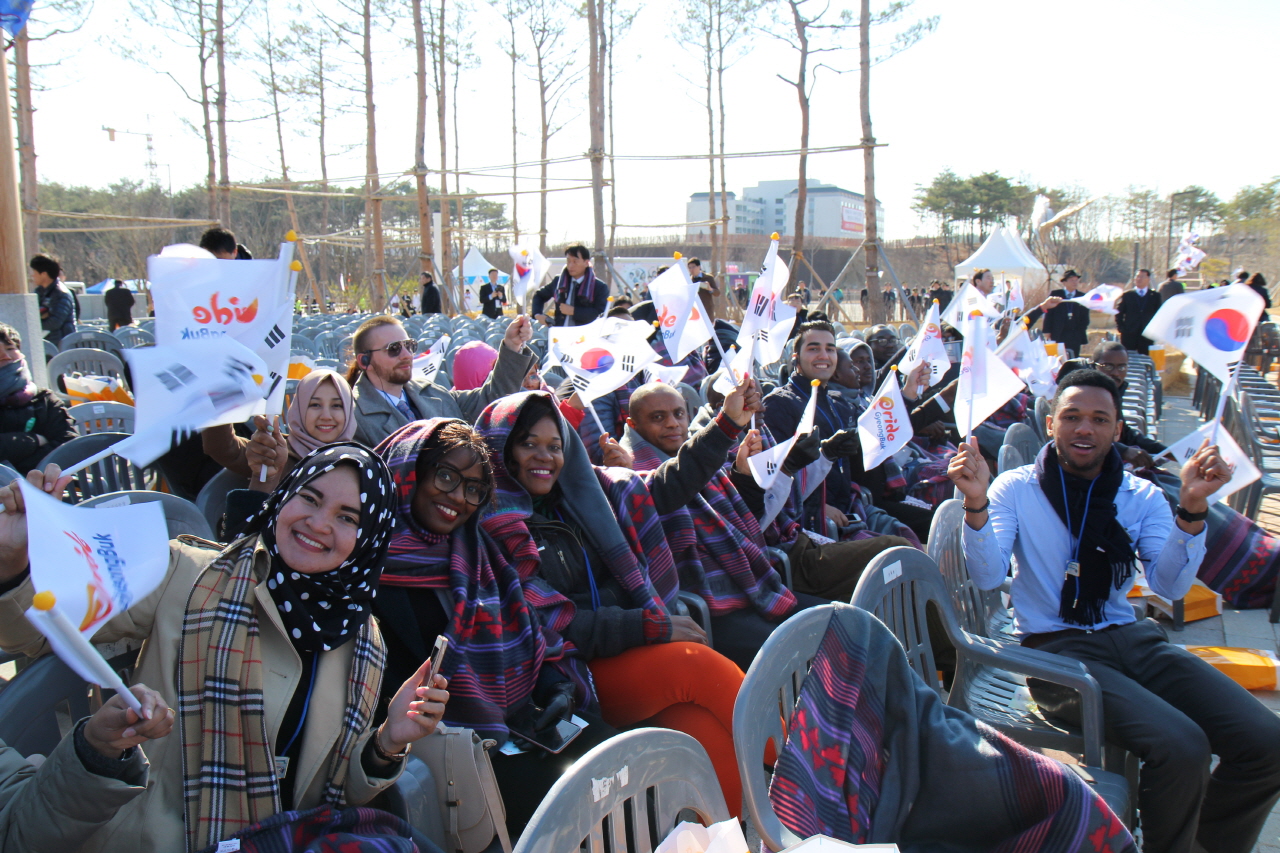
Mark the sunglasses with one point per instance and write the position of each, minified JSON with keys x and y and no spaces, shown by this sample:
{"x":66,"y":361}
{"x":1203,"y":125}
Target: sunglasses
{"x":393,"y":349}
{"x":447,"y":479}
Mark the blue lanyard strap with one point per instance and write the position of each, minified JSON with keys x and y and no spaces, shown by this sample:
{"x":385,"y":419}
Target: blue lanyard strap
{"x":1067,"y":510}
{"x":302,"y":721}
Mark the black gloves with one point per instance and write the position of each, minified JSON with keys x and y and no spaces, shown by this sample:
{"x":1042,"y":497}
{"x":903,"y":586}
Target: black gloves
{"x":559,"y":706}
{"x":843,"y":444}
{"x":803,"y":452}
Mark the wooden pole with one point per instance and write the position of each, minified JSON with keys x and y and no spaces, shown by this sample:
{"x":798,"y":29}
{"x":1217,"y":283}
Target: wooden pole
{"x":13,"y":273}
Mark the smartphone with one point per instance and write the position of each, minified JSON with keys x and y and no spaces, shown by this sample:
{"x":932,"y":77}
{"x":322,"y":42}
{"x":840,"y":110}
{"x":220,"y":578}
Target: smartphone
{"x":552,"y":740}
{"x":437,"y":658}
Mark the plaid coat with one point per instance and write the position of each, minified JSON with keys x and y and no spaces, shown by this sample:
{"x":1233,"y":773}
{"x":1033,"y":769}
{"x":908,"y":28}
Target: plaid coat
{"x":154,"y":820}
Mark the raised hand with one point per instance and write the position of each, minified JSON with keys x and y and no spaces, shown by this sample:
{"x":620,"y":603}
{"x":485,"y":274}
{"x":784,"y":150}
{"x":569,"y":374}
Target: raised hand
{"x":743,"y":401}
{"x":970,"y":472}
{"x":1202,"y":475}
{"x":268,"y":448}
{"x":615,"y":455}
{"x":751,"y":444}
{"x":519,"y":333}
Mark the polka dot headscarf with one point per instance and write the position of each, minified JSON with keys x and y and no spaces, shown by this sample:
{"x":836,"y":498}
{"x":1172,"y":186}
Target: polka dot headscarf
{"x":322,"y":611}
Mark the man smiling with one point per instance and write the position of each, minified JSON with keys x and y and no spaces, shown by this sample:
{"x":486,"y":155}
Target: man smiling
{"x":1072,"y":525}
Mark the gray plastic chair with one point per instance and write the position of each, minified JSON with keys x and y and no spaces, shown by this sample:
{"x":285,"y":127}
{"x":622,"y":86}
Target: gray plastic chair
{"x":980,"y":611}
{"x":181,"y":515}
{"x":302,"y":345}
{"x":1010,"y":458}
{"x":1043,"y":409}
{"x":8,"y":474}
{"x":50,"y":350}
{"x":86,"y":361}
{"x":103,"y":417}
{"x":650,"y":775}
{"x":765,"y":700}
{"x":103,"y":340}
{"x":898,"y":586}
{"x":1025,"y":439}
{"x":212,"y":500}
{"x":112,"y":474}
{"x":132,"y":336}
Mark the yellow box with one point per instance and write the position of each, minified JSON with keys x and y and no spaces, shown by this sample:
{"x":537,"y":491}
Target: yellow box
{"x":1156,"y":351}
{"x":1252,"y":669}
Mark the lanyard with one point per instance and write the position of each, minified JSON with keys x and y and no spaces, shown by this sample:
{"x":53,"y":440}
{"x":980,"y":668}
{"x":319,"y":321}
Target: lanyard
{"x":302,"y":721}
{"x":1073,"y":565}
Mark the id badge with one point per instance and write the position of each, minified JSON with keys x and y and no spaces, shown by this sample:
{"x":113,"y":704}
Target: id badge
{"x":282,"y":766}
{"x":1073,"y":569}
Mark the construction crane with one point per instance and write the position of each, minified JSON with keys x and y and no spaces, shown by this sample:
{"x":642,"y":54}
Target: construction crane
{"x":152,"y":169}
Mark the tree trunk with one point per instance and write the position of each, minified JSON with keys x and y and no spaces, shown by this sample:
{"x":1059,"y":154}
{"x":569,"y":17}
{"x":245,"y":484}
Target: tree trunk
{"x":802,"y":94}
{"x":375,"y":263}
{"x":426,"y":250}
{"x":711,"y":150}
{"x":595,"y":95}
{"x":224,"y":157}
{"x":206,"y":115}
{"x":613,"y":175}
{"x":13,"y":258}
{"x":542,"y":155}
{"x":26,"y":143}
{"x":451,"y":292}
{"x":515,"y":136}
{"x":323,"y":250}
{"x":875,"y":302}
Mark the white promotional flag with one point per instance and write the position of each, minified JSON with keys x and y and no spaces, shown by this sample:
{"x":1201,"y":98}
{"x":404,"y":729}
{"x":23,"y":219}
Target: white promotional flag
{"x":250,"y":301}
{"x":599,"y":365}
{"x":927,"y":346}
{"x":426,"y":365}
{"x":766,"y":464}
{"x":530,"y":267}
{"x":1243,"y":471}
{"x":1101,"y":298}
{"x":775,"y":498}
{"x":97,"y":561}
{"x":680,"y":317}
{"x":885,"y":427}
{"x":1017,"y":350}
{"x":1211,"y":326}
{"x":986,"y":382}
{"x":184,"y":387}
{"x":965,"y":303}
{"x":666,"y":375}
{"x":740,"y":365}
{"x":765,"y":292}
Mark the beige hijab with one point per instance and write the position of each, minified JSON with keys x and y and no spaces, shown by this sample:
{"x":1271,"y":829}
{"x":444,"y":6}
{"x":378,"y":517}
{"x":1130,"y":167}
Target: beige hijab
{"x":300,"y":441}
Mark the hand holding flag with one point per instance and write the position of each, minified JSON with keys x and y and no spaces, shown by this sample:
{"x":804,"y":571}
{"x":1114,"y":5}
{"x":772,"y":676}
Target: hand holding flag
{"x":927,"y":346}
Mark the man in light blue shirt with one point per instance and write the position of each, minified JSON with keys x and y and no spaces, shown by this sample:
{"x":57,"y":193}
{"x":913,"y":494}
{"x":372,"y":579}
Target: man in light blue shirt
{"x":1074,"y":524}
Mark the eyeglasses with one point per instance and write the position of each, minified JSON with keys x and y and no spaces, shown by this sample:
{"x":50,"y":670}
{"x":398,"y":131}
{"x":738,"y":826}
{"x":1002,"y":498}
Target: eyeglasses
{"x":448,"y":478}
{"x":393,"y":348}
{"x":1111,"y":368}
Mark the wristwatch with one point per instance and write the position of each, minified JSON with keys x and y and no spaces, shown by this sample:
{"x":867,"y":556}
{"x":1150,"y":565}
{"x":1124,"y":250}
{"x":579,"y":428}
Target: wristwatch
{"x":1192,"y":516}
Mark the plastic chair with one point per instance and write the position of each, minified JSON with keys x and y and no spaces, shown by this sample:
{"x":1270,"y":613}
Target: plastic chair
{"x":103,"y":417}
{"x":86,"y":361}
{"x":181,"y":515}
{"x":132,"y":336}
{"x":898,"y":586}
{"x":979,"y":611}
{"x":212,"y":500}
{"x":1043,"y":410}
{"x":1025,"y":439}
{"x":1010,"y":458}
{"x":103,"y":340}
{"x":627,"y":793}
{"x":302,"y":345}
{"x":765,"y":700}
{"x":8,"y":474}
{"x":112,"y":474}
{"x":50,"y":350}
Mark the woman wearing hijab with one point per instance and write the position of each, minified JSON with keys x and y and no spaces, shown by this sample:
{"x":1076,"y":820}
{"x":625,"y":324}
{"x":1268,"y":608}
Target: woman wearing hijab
{"x":555,"y":515}
{"x":472,"y":365}
{"x":267,"y":653}
{"x":507,"y":666}
{"x":321,"y":412}
{"x":33,"y":420}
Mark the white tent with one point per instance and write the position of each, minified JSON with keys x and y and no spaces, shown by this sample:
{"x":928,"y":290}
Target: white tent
{"x":475,"y":272}
{"x":1008,"y":258}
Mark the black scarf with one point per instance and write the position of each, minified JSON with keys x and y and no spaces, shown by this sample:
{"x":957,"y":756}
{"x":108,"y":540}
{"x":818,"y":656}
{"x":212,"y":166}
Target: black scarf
{"x":16,"y":387}
{"x":1106,"y":552}
{"x":322,"y":611}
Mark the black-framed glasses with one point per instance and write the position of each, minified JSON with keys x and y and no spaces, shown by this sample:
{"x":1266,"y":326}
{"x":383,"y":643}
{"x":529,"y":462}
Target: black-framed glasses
{"x":1111,"y":368}
{"x":447,"y":479}
{"x":393,"y":349}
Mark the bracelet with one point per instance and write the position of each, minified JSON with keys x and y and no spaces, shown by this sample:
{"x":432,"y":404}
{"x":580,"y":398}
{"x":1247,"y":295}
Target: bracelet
{"x":389,"y":757}
{"x":982,"y":508}
{"x":1192,"y":516}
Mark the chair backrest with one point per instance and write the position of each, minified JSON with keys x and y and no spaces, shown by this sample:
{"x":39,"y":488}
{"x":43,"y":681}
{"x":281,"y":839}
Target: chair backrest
{"x":1043,"y":409}
{"x":50,"y":350}
{"x":692,"y":398}
{"x":93,"y":340}
{"x":302,"y":344}
{"x":765,"y":700}
{"x":7,"y":474}
{"x":132,"y":336}
{"x":212,"y":500}
{"x":1010,"y":458}
{"x":112,"y":474}
{"x":181,"y":515}
{"x":627,"y":792}
{"x":41,"y":705}
{"x":973,"y":606}
{"x":897,"y":587}
{"x":1025,"y":439}
{"x":93,"y":362}
{"x":103,"y":417}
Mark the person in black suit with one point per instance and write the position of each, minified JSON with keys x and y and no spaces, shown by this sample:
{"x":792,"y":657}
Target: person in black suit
{"x":492,"y":296}
{"x":1134,"y":311}
{"x":1068,"y":322}
{"x":430,"y":295}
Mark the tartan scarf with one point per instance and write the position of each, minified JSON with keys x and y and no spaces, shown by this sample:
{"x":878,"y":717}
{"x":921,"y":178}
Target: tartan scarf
{"x":587,"y":290}
{"x":633,"y":547}
{"x":497,"y":643}
{"x":717,"y":542}
{"x":229,"y":779}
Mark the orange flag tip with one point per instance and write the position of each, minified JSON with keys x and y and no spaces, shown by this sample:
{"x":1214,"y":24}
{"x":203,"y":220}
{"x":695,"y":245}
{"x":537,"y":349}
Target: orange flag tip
{"x":44,"y":600}
{"x":677,"y":255}
{"x":291,"y":236}
{"x":773,"y":236}
{"x":815,"y":382}
{"x":296,"y":266}
{"x":894,"y":368}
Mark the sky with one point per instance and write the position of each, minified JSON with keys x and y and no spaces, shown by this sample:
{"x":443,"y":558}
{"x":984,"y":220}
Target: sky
{"x":1096,"y":94}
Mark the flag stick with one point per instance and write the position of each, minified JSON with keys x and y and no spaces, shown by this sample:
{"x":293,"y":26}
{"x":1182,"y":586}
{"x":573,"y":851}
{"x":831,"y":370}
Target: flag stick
{"x":76,"y":643}
{"x":262,"y":475}
{"x":592,"y":409}
{"x":92,"y":460}
{"x":1227,"y":389}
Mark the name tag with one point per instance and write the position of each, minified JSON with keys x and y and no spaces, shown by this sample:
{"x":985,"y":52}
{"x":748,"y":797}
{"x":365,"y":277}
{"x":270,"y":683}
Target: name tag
{"x":282,"y":766}
{"x":1073,"y":569}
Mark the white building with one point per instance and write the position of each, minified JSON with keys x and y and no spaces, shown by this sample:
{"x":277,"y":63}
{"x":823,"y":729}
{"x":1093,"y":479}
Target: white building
{"x":771,"y":206}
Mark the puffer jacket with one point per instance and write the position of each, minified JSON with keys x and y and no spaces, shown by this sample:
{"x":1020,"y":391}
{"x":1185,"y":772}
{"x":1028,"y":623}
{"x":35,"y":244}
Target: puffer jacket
{"x":154,"y":821}
{"x":19,"y":425}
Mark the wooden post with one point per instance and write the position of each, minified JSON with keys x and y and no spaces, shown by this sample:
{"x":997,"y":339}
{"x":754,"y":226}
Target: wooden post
{"x":875,"y":301}
{"x":13,"y":265}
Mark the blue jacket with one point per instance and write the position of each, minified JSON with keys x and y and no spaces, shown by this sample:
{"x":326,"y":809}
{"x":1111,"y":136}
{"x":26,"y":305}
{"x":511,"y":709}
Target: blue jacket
{"x":57,"y":311}
{"x":782,"y":410}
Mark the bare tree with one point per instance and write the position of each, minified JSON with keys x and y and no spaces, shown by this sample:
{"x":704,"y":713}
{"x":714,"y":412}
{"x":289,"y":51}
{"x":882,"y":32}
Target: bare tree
{"x":596,"y":53}
{"x":426,"y":251}
{"x":220,"y":102}
{"x":438,"y":28}
{"x":698,"y":31}
{"x":731,"y":24}
{"x":618,"y":22}
{"x":555,"y":72}
{"x":511,"y":11}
